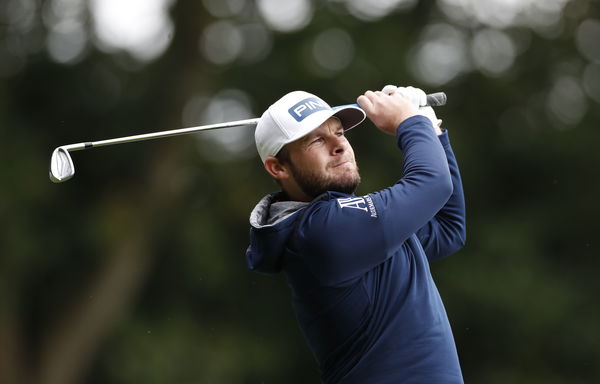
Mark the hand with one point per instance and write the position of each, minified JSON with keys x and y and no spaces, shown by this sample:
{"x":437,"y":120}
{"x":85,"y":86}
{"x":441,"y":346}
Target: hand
{"x":418,"y":98}
{"x":386,"y":111}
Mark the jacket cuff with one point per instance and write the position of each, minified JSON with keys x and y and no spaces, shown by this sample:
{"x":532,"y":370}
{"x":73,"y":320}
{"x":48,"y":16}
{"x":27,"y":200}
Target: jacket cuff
{"x":445,"y":139}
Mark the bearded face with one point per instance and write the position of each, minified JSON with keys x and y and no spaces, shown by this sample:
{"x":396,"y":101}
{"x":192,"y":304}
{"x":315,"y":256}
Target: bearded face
{"x":321,"y":161}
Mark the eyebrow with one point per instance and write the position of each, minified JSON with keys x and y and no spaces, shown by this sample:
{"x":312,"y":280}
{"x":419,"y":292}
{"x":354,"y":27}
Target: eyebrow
{"x":313,"y":135}
{"x":308,"y":138}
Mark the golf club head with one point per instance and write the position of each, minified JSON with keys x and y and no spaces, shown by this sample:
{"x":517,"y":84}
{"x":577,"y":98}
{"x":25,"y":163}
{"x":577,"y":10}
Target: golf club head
{"x":61,"y":165}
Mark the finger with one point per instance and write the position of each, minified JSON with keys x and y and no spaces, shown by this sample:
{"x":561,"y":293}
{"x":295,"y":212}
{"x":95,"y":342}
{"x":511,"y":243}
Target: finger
{"x":419,"y":95}
{"x":377,"y":97}
{"x":365,"y":103}
{"x":407,"y":94}
{"x":372,"y":96}
{"x":389,"y":89}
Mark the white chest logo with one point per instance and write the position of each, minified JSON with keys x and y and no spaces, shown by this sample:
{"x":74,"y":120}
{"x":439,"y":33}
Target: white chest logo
{"x":360,"y":203}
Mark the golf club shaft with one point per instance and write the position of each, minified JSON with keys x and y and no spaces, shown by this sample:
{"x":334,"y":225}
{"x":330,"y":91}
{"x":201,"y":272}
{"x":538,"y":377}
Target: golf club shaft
{"x":434,"y":99}
{"x":156,"y":135}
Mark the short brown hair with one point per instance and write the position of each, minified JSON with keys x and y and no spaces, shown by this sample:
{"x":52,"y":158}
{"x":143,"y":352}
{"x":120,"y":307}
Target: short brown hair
{"x":284,"y":155}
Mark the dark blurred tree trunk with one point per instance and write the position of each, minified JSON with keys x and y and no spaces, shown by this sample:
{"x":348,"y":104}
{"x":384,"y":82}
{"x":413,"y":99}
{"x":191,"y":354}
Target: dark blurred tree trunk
{"x":69,"y":346}
{"x":11,"y":341}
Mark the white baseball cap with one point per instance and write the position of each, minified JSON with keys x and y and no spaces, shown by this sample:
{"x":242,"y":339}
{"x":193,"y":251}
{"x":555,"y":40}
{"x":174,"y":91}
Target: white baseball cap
{"x":294,"y":116}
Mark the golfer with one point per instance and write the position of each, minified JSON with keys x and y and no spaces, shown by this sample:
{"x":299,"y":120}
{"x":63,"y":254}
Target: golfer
{"x":358,"y":266}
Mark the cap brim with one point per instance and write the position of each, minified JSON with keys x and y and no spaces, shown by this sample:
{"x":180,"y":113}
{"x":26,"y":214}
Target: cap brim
{"x":350,"y":115}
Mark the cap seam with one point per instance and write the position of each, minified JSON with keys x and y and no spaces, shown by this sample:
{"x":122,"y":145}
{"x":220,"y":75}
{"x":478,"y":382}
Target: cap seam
{"x":280,"y":125}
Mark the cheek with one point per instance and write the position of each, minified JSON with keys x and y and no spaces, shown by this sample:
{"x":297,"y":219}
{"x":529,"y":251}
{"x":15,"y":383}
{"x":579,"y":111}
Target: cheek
{"x":347,"y":145}
{"x":350,"y":150}
{"x":310,"y":161}
{"x":319,"y":162}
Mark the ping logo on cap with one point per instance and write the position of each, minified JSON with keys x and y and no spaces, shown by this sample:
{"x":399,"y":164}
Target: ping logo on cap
{"x":307,"y":107}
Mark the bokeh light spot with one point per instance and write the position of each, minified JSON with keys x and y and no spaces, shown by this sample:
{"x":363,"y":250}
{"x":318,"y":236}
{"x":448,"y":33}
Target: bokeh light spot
{"x":67,"y":36}
{"x":226,"y":144}
{"x":18,"y":14}
{"x":286,"y":16}
{"x":140,"y":27}
{"x":587,"y":39}
{"x":566,"y":101}
{"x":372,"y":10}
{"x":333,"y":49}
{"x":503,"y":13}
{"x":257,"y":42}
{"x":591,"y":81}
{"x":221,"y":42}
{"x":493,"y":51}
{"x":440,"y":55}
{"x":66,"y":42}
{"x":224,"y":8}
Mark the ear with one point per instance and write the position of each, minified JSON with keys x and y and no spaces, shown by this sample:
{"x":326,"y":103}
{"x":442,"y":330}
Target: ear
{"x":276,"y":169}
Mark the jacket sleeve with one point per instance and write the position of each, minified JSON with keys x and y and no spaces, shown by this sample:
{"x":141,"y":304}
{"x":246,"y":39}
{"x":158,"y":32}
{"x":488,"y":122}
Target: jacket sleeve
{"x":445,"y":233}
{"x":344,"y":237}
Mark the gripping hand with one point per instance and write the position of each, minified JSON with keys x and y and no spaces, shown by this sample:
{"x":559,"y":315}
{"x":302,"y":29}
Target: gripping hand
{"x":418,"y":98}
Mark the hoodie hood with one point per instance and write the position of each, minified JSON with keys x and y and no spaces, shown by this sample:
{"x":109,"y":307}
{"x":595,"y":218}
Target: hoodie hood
{"x":271,"y":223}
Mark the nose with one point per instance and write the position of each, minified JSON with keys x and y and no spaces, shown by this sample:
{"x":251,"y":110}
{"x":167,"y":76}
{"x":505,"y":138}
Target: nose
{"x":338,"y":146}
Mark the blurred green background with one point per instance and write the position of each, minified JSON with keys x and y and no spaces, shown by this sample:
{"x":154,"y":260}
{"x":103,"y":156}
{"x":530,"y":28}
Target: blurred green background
{"x":134,"y":271}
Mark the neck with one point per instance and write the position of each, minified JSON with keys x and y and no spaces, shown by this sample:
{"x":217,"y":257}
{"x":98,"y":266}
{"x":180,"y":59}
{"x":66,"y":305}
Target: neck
{"x":294,"y":193}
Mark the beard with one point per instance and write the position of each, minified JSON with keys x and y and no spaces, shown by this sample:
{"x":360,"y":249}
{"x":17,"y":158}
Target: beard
{"x":314,"y":184}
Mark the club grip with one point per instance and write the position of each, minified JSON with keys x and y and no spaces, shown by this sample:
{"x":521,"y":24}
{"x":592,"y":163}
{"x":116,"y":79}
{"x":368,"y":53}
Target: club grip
{"x":436,"y":99}
{"x":433,"y":100}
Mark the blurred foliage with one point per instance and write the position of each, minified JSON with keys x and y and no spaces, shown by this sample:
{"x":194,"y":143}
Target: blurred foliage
{"x":134,"y":270}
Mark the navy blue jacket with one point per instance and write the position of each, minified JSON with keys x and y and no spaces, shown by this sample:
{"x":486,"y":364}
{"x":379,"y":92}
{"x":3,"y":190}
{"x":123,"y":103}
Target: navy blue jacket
{"x":358,"y":267}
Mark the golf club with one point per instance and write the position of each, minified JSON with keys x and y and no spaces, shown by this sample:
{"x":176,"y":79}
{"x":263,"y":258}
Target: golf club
{"x":61,"y":163}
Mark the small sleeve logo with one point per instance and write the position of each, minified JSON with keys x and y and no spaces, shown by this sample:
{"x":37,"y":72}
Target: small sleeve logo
{"x":361,"y":203}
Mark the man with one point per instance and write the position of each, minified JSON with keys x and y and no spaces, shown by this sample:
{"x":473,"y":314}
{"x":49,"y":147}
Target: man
{"x":357,"y":266}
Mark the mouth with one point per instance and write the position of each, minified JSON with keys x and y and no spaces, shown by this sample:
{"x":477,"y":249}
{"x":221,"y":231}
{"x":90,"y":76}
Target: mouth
{"x":342,"y":164}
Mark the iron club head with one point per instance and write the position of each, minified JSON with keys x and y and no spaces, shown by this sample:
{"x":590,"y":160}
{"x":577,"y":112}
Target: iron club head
{"x":61,"y":165}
